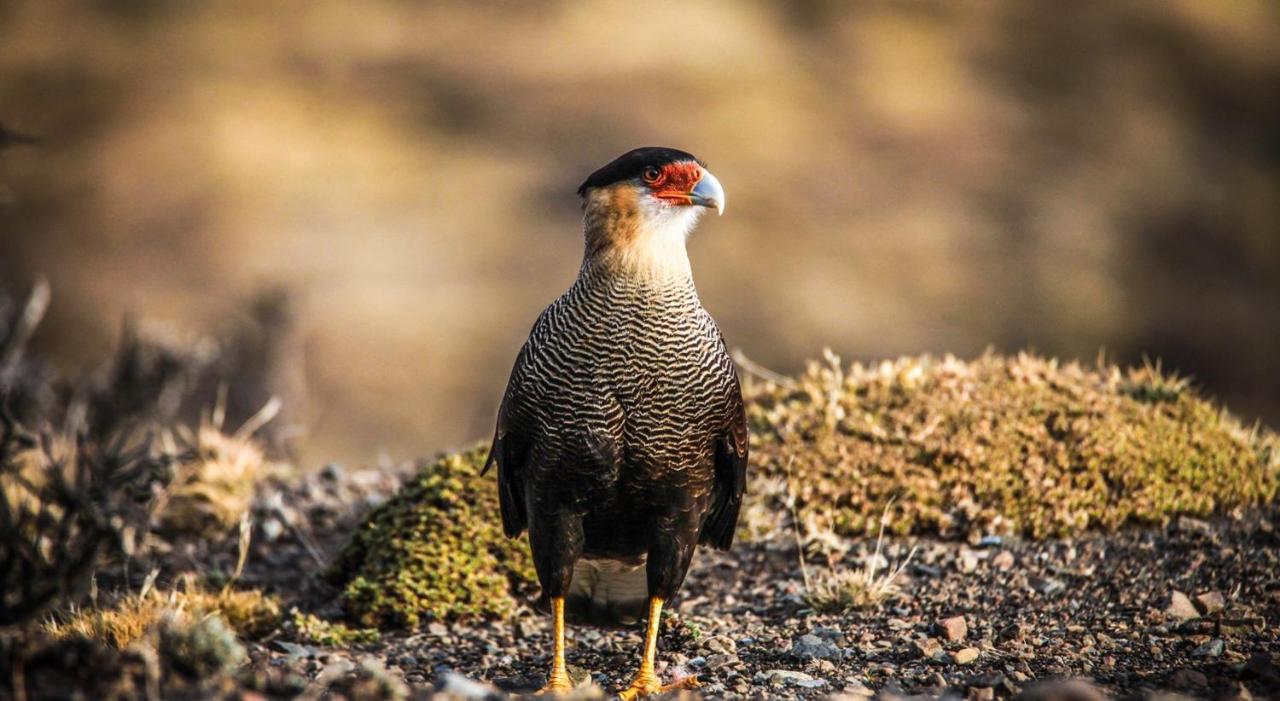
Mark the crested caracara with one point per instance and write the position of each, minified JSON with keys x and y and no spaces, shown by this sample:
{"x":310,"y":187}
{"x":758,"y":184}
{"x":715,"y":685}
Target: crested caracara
{"x":621,"y":442}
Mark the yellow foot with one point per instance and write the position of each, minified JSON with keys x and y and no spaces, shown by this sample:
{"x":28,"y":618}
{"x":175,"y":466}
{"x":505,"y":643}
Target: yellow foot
{"x":648,"y":685}
{"x":559,"y":683}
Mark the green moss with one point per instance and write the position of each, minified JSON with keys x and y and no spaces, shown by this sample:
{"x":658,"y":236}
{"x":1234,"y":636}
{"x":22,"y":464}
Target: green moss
{"x":318,"y":631}
{"x":435,"y":551}
{"x":1017,"y":445}
{"x":1009,"y":445}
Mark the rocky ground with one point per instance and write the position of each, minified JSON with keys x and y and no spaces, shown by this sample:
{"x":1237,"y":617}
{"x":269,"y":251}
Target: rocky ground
{"x":1190,"y":609}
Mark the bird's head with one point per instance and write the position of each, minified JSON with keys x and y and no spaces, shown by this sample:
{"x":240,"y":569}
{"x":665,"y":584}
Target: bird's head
{"x":639,"y":208}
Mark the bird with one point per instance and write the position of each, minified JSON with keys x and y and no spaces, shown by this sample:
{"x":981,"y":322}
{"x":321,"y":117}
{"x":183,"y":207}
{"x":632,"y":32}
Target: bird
{"x":621,"y":442}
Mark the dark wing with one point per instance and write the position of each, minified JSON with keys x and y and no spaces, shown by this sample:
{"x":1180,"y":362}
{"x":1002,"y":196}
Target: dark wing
{"x":731,"y":450}
{"x":510,"y":451}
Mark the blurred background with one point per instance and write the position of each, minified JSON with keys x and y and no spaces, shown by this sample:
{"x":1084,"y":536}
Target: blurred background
{"x":384,"y":191}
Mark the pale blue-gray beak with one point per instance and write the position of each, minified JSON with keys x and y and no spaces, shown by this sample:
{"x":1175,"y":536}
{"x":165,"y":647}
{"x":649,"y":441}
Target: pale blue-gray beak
{"x":708,"y":192}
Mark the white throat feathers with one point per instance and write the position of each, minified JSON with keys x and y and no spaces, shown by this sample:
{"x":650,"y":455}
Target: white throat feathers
{"x":638,"y":236}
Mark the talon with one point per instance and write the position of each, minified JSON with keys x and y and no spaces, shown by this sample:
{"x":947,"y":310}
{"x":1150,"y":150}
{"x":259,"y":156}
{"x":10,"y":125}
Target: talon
{"x":646,"y":682}
{"x":556,"y":686}
{"x":689,"y":682}
{"x":646,"y":685}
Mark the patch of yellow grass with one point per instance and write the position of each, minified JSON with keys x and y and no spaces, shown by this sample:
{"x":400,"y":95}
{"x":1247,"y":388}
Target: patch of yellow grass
{"x":216,"y":488}
{"x":250,"y":613}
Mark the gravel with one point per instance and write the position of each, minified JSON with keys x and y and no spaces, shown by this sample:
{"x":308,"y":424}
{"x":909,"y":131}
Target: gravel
{"x":1192,"y":608}
{"x":1080,"y":618}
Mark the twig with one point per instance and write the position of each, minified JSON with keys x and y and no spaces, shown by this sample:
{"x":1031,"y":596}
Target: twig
{"x":246,"y":536}
{"x":264,"y":416}
{"x":32,"y":314}
{"x":753,"y":368}
{"x":795,"y":524}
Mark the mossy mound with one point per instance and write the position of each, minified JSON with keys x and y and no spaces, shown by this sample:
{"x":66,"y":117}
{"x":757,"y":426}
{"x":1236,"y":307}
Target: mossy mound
{"x":434,"y":551}
{"x":1018,"y":445}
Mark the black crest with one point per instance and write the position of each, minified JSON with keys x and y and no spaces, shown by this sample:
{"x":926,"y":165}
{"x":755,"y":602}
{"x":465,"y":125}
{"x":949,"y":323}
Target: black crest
{"x":632,"y":163}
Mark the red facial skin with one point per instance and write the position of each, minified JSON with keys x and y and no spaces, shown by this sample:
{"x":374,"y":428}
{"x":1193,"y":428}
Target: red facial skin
{"x":674,"y":181}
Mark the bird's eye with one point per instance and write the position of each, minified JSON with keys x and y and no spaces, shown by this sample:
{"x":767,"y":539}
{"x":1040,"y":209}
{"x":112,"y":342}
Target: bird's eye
{"x":651,"y":174}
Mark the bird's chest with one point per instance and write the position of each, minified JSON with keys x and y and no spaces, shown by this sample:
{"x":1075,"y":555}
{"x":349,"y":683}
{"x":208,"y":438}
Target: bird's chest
{"x":649,"y":371}
{"x":651,"y":360}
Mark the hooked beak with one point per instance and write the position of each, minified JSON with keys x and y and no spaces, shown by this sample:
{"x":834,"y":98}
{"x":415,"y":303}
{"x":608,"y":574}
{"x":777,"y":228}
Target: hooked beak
{"x":708,"y":192}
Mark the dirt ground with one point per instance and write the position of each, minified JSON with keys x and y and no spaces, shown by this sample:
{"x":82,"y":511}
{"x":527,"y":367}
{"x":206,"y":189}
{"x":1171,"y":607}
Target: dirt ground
{"x":1192,"y":608}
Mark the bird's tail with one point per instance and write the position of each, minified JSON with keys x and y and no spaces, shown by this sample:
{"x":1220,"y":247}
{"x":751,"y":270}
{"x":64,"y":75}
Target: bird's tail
{"x":607,"y":593}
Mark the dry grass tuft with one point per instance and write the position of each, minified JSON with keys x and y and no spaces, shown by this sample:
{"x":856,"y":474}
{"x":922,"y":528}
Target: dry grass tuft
{"x":838,"y":590}
{"x":214,"y":490}
{"x":66,"y":503}
{"x":250,"y":613}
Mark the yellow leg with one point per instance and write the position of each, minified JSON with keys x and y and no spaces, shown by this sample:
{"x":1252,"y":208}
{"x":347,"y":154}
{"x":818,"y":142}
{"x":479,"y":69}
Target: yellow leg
{"x":646,"y":681}
{"x":558,"y":682}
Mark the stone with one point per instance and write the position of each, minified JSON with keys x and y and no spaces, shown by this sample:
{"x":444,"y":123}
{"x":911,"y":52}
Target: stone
{"x":1012,"y":632}
{"x":1189,"y":678}
{"x":966,"y":655}
{"x":272,"y":529}
{"x":525,"y":629}
{"x":1180,"y":607}
{"x":455,"y":685}
{"x":926,"y":570}
{"x":722,"y":644}
{"x":833,"y":634}
{"x":1187,"y":524}
{"x":857,"y":690}
{"x":1213,"y":648}
{"x":720,"y":660}
{"x":928,"y":648}
{"x":1003,"y":560}
{"x":1211,"y":602}
{"x":296,"y":651}
{"x":954,"y":629}
{"x":981,"y":693}
{"x":811,"y":647}
{"x":1047,"y":586}
{"x":790,"y":678}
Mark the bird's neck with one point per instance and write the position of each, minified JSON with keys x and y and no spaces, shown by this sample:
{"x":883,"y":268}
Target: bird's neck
{"x":647,"y":248}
